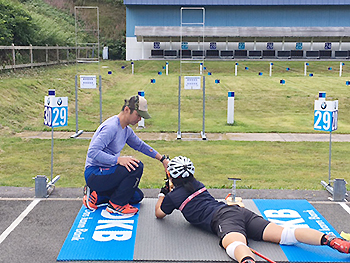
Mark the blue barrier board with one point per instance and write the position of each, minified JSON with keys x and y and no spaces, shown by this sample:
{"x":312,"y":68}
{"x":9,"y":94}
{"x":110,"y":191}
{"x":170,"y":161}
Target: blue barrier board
{"x":100,"y":236}
{"x":300,"y":213}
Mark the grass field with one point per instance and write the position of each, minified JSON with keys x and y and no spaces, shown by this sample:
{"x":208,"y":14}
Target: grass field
{"x":262,"y":104}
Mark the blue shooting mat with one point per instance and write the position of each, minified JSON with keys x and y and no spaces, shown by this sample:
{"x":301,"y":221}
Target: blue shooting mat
{"x":300,"y":213}
{"x":99,"y":235}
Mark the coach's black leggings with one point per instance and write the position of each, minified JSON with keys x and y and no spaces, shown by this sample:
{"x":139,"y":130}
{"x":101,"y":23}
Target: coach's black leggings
{"x":116,"y":183}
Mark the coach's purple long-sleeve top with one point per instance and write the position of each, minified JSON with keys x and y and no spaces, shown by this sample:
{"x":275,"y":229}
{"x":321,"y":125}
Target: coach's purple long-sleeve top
{"x":108,"y":141}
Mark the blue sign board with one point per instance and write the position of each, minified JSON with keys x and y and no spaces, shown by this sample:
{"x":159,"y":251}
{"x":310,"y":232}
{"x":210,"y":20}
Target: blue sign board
{"x":326,"y":115}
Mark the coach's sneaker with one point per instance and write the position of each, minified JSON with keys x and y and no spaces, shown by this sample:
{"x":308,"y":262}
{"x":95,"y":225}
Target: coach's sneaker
{"x":122,"y":210}
{"x":337,"y":243}
{"x":90,"y":199}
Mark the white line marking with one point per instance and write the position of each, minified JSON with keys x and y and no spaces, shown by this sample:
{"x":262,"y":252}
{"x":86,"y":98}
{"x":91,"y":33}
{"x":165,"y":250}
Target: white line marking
{"x":18,"y":220}
{"x":46,"y":199}
{"x":346,"y":208}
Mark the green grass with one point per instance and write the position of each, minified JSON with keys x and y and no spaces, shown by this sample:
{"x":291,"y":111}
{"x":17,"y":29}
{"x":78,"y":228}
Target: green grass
{"x":260,"y":165}
{"x":262,"y":104}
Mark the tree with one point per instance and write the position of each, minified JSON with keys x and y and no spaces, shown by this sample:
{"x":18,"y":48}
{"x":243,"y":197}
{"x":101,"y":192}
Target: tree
{"x":16,"y":24}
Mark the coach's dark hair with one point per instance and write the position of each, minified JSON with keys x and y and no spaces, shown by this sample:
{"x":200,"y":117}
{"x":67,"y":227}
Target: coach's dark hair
{"x":130,"y":103}
{"x":186,"y":182}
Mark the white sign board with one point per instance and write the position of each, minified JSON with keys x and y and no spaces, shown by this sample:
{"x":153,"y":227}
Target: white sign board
{"x":88,"y":81}
{"x":192,"y":82}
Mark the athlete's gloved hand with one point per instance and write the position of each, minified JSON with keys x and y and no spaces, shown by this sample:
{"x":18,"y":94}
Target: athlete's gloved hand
{"x":165,"y":189}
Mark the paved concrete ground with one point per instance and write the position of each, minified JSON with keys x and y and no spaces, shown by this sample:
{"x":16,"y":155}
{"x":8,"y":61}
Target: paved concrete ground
{"x":284,"y":137}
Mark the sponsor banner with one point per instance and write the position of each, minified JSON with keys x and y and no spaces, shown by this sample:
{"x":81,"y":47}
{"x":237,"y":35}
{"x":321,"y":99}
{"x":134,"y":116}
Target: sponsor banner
{"x":301,"y":214}
{"x":100,"y":236}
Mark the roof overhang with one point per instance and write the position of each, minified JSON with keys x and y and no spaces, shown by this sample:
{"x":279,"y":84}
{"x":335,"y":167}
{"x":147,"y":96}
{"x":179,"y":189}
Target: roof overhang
{"x":241,"y":34}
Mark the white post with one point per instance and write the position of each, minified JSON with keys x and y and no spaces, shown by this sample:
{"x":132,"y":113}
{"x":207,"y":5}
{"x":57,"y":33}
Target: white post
{"x":305,"y":68}
{"x":141,"y":123}
{"x":132,"y":68}
{"x":230,"y":107}
{"x":201,"y":69}
{"x":236,"y":64}
{"x":341,"y":68}
{"x":167,"y":68}
{"x":143,"y":49}
{"x":271,"y":64}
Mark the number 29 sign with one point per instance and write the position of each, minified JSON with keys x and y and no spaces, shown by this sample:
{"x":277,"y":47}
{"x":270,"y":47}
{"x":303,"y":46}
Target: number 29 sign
{"x":326,"y":115}
{"x":56,"y":111}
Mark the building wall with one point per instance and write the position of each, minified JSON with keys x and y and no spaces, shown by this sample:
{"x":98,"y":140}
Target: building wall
{"x":261,"y":16}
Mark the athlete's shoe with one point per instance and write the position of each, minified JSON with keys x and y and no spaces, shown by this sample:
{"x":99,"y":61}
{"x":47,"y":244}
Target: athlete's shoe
{"x":337,"y":243}
{"x":122,"y":210}
{"x":248,"y":259}
{"x":90,"y":198}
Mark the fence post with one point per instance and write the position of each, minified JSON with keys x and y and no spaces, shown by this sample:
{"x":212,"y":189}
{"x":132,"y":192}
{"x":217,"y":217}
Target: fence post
{"x":31,"y":55}
{"x":58,"y":55}
{"x":67,"y":54}
{"x":13,"y":56}
{"x":47,"y":54}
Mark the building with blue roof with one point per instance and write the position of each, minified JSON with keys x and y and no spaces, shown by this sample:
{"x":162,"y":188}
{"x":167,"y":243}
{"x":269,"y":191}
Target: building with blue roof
{"x":237,"y":29}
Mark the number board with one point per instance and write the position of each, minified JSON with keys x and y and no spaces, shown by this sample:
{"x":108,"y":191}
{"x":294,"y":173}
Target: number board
{"x":269,"y":46}
{"x":241,"y":45}
{"x":326,"y":115}
{"x":299,"y":46}
{"x":56,"y":111}
{"x":156,"y":45}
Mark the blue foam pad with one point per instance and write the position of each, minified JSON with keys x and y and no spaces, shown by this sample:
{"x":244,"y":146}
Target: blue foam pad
{"x":300,"y":213}
{"x":100,"y":236}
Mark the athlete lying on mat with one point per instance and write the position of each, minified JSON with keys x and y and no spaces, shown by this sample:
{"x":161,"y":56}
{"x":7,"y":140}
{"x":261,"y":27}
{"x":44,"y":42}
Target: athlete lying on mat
{"x":233,"y":224}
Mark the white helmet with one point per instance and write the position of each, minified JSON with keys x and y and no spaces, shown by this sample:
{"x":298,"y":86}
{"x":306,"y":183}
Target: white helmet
{"x":180,"y":166}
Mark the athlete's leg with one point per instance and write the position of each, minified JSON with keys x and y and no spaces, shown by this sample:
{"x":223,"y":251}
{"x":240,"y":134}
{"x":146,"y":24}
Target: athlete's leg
{"x":236,"y":247}
{"x":275,"y":233}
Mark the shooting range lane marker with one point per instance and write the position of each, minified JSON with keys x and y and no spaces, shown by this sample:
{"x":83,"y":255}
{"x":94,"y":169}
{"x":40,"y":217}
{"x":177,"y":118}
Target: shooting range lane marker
{"x":19,"y":219}
{"x":346,"y":208}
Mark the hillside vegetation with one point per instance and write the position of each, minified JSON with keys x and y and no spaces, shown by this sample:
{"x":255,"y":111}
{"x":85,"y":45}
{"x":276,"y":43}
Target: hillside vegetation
{"x":52,"y":22}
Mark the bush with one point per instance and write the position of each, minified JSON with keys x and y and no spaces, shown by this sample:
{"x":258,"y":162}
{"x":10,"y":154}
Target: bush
{"x":116,"y":49}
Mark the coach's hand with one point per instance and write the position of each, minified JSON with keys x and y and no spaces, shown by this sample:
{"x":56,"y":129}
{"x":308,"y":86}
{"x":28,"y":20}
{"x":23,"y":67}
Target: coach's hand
{"x":130,"y":163}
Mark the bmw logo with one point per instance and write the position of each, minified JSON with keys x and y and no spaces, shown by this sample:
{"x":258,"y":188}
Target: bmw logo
{"x":59,"y":102}
{"x":323,"y":105}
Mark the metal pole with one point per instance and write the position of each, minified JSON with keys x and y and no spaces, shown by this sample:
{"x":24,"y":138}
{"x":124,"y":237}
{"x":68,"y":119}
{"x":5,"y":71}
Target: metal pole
{"x":51,"y":152}
{"x":203,"y":130}
{"x":179,"y":110}
{"x":100,"y":88}
{"x":330,"y":156}
{"x":76,"y":104}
